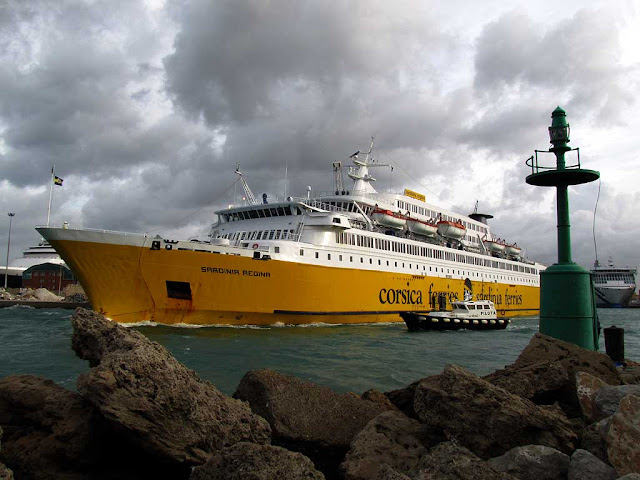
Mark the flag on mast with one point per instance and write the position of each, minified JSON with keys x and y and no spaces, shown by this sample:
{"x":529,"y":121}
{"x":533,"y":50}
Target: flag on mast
{"x":57,"y":180}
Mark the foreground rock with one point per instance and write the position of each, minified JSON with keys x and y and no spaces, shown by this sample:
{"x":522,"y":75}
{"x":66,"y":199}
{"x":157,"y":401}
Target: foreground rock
{"x":546,"y":369}
{"x":52,"y":433}
{"x":606,"y":400}
{"x":451,"y":461}
{"x":592,"y":439}
{"x":585,"y":466}
{"x":623,"y":436}
{"x":5,"y":473}
{"x":47,"y":430}
{"x":306,"y":417}
{"x":587,"y":386}
{"x":164,"y":407}
{"x":486,"y":419}
{"x":533,"y":462}
{"x":244,"y":461}
{"x":389,"y":442}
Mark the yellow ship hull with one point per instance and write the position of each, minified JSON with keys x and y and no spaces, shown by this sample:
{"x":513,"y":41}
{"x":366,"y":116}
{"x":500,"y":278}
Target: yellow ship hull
{"x":133,"y":283}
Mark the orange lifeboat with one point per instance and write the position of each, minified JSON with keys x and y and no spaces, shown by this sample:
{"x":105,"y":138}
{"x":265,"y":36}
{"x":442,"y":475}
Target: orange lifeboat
{"x":420,"y":227}
{"x":448,"y":229}
{"x":387,"y":218}
{"x":512,"y":250}
{"x":494,"y":246}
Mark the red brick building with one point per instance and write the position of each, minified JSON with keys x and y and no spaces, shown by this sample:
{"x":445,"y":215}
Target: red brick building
{"x":48,"y":275}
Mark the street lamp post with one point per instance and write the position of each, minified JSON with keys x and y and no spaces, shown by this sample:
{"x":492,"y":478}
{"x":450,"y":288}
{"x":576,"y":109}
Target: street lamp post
{"x":6,"y":271}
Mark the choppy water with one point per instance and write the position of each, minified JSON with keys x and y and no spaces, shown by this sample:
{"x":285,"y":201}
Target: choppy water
{"x":344,"y":357}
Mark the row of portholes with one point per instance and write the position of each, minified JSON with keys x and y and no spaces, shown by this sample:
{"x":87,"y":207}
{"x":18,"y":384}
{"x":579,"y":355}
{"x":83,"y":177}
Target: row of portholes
{"x":449,"y":271}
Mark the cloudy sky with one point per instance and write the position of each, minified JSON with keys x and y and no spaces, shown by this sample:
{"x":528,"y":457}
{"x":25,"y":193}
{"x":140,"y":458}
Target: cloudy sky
{"x":146,"y":107}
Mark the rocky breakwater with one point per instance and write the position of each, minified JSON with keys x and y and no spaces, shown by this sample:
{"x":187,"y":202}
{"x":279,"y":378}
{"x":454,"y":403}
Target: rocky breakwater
{"x":559,"y":412}
{"x":71,"y":297}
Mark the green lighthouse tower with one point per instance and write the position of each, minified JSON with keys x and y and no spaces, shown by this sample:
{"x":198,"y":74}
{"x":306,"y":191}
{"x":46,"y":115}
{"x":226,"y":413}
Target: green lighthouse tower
{"x":567,"y":303}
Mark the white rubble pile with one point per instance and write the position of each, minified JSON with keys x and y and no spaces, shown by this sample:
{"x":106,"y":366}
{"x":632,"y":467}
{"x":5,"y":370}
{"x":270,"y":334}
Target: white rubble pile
{"x":38,"y":295}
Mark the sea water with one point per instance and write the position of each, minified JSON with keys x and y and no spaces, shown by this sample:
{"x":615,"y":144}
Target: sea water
{"x":345,"y":358}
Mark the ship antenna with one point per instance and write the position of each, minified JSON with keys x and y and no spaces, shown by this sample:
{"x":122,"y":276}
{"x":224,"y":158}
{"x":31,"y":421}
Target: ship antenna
{"x":595,"y":209}
{"x":250,"y":198}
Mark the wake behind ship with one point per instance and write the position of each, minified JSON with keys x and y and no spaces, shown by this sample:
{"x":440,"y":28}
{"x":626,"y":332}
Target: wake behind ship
{"x":355,"y":256}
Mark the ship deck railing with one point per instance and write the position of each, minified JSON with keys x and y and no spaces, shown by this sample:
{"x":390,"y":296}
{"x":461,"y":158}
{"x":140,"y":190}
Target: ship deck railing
{"x":97,"y":230}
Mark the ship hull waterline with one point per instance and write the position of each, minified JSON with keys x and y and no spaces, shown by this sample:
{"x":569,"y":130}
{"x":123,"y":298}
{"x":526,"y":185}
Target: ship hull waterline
{"x":129,"y":284}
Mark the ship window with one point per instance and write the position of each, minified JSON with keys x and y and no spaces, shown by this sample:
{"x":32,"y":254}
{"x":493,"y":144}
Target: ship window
{"x":317,"y":254}
{"x":379,"y":262}
{"x":179,"y":290}
{"x":351,"y":259}
{"x":328,"y":256}
{"x":276,"y":249}
{"x":271,"y":234}
{"x":361,"y":260}
{"x":340,"y":257}
{"x":281,"y":211}
{"x":301,"y":252}
{"x":336,"y":220}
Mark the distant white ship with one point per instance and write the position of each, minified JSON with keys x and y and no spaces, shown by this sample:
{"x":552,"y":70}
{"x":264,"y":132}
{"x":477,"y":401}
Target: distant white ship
{"x":614,"y":286}
{"x":35,"y":255}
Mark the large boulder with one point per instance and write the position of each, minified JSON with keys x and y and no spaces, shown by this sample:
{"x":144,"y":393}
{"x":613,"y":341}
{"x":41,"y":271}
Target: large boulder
{"x":546,"y":369}
{"x":5,"y":473}
{"x":402,"y":398}
{"x":586,"y":466}
{"x":607,"y":399}
{"x":623,"y":436}
{"x":48,"y":430}
{"x":533,"y":462}
{"x":390,"y":441}
{"x":586,"y":388}
{"x":306,"y":417}
{"x":451,"y":461}
{"x":244,"y":461}
{"x":592,"y":439}
{"x":486,"y":419}
{"x":52,"y":433}
{"x":163,"y":407}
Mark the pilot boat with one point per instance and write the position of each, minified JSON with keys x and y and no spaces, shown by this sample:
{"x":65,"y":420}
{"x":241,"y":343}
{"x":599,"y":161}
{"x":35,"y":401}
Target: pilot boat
{"x":465,"y":314}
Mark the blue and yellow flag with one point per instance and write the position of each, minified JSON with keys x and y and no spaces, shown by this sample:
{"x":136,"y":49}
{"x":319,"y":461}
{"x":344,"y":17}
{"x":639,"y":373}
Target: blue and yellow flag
{"x":57,"y":180}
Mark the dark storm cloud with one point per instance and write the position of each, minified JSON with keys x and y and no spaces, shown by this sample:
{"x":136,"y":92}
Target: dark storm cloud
{"x":146,"y":115}
{"x":577,"y":59}
{"x":234,"y":60}
{"x":68,"y":99}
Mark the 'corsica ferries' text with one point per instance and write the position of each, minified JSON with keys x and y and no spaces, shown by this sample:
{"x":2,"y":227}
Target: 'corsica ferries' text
{"x":401,"y":297}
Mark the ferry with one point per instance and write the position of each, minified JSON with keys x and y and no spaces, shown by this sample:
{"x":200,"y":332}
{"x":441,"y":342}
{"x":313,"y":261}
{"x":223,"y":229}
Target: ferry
{"x":614,"y":286}
{"x":348,"y":256}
